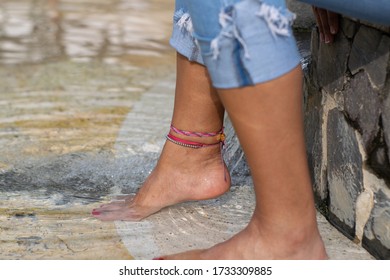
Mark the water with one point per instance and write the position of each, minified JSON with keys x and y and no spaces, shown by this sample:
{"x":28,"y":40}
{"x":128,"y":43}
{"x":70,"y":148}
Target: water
{"x":70,"y":73}
{"x":81,"y":117}
{"x":41,"y":30}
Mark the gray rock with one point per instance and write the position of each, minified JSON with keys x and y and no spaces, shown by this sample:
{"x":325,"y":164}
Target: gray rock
{"x":349,"y":27}
{"x":362,"y":104}
{"x":313,"y":134}
{"x":345,"y":176}
{"x":382,"y":28}
{"x":332,"y":63}
{"x":313,"y":66}
{"x":305,"y":17}
{"x":376,"y":234}
{"x":379,"y":162}
{"x":370,"y":52}
{"x":386,"y":123}
{"x":353,"y":73}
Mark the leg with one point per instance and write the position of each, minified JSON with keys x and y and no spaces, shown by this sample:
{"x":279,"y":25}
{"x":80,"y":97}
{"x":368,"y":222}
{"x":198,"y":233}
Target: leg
{"x":176,"y":177}
{"x":268,"y":121}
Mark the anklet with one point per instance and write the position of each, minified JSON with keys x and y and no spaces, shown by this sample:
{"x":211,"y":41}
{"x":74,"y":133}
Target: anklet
{"x":197,"y":134}
{"x":189,"y":144}
{"x":192,"y":144}
{"x":196,"y":145}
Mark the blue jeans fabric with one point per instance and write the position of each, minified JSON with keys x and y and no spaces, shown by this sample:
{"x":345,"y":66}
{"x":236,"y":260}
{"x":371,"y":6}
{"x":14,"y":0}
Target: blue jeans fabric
{"x":241,"y":42}
{"x":245,"y":42}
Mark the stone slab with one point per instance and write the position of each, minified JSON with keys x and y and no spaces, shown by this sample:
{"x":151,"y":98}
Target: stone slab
{"x":377,"y":230}
{"x":363,"y":106}
{"x":345,"y":177}
{"x":314,"y":141}
{"x":35,"y":228}
{"x":332,"y":64}
{"x":370,"y":52}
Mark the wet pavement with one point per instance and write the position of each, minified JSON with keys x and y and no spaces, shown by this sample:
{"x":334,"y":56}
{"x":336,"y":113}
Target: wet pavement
{"x":70,"y":73}
{"x":86,"y":96}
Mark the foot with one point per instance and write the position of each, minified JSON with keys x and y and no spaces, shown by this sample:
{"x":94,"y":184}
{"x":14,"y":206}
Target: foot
{"x":182,"y":174}
{"x":254,"y":243}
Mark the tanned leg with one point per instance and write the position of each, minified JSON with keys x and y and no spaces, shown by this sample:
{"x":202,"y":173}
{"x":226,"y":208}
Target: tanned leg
{"x":268,"y":121}
{"x":181,"y":174}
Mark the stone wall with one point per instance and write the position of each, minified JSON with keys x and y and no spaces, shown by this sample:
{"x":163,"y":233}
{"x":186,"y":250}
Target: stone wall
{"x":347,"y":120}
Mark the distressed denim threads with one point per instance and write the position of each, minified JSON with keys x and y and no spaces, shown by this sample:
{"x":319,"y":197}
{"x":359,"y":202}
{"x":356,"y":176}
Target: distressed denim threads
{"x":241,"y":42}
{"x":182,"y":38}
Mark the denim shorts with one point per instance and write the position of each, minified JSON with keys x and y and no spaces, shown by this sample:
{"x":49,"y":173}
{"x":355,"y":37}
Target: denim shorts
{"x":241,"y":42}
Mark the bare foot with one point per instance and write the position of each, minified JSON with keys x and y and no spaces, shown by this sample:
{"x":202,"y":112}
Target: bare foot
{"x":182,"y":174}
{"x":254,"y":243}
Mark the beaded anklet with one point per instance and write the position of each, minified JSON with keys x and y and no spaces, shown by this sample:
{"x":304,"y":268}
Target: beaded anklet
{"x":192,"y":144}
{"x":220,"y":137}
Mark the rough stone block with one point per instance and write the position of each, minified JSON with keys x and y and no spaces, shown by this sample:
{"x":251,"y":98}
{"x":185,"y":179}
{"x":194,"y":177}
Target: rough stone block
{"x":314,"y":46}
{"x":332,"y":64}
{"x":386,"y":123}
{"x":382,"y":28}
{"x":345,"y":177}
{"x":305,"y":17}
{"x":370,"y":52}
{"x":377,"y":231}
{"x":362,"y":104}
{"x":357,"y":103}
{"x":379,"y":162}
{"x":349,"y":27}
{"x":313,"y":133}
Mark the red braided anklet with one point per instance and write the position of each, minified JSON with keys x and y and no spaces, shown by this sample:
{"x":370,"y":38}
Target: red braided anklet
{"x":196,"y":134}
{"x":220,"y":137}
{"x":192,"y":144}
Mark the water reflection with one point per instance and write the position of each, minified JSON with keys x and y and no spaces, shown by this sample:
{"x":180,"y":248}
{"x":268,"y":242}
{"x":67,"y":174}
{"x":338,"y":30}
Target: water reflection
{"x":39,"y":30}
{"x":71,"y":70}
{"x":70,"y":73}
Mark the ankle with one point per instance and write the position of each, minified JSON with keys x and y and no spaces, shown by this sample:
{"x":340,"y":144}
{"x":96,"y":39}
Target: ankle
{"x":195,"y":139}
{"x":203,"y":147}
{"x":299,"y":240}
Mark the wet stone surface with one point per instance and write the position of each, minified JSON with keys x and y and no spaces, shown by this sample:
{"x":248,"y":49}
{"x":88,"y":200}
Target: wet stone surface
{"x":70,"y":73}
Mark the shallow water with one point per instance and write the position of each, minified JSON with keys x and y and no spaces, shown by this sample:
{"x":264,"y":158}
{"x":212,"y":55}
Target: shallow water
{"x":70,"y":72}
{"x":76,"y":105}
